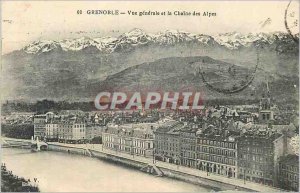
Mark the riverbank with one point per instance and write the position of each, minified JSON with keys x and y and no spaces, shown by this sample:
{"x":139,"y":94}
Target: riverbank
{"x":63,"y":172}
{"x":182,"y":173}
{"x":169,"y":170}
{"x":13,"y":183}
{"x":137,"y":163}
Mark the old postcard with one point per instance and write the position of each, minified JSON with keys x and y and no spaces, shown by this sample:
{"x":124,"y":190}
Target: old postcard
{"x":150,"y":96}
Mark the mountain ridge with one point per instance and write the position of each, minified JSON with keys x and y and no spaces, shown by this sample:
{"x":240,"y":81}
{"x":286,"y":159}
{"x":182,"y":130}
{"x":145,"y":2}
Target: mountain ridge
{"x":51,"y":70}
{"x":138,"y":37}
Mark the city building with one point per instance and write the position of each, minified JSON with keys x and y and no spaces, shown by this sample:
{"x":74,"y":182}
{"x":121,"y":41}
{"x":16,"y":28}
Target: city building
{"x":209,"y":149}
{"x":94,"y":130}
{"x":39,"y":122}
{"x":217,"y":151}
{"x":255,"y":160}
{"x":288,"y":177}
{"x":258,"y":151}
{"x":188,"y":152}
{"x":72,"y":131}
{"x":134,"y":139}
{"x":167,"y":142}
{"x":143,"y":140}
{"x":52,"y":131}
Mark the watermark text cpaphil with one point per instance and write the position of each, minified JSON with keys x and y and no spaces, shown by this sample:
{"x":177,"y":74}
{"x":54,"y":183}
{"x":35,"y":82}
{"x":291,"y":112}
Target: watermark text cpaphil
{"x":149,"y":100}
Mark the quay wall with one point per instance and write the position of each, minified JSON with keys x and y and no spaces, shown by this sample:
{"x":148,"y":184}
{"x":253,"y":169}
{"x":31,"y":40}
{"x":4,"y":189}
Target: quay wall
{"x":71,"y":150}
{"x":97,"y":154}
{"x":146,"y":165}
{"x":119,"y":160}
{"x":143,"y":165}
{"x":216,"y":185}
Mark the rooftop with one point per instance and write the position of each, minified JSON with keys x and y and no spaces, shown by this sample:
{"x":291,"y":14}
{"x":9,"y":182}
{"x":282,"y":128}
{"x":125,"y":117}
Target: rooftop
{"x":290,"y":159}
{"x":171,"y":127}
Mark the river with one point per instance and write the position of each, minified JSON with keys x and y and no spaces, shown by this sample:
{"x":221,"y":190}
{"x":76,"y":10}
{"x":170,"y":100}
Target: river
{"x":60,"y":172}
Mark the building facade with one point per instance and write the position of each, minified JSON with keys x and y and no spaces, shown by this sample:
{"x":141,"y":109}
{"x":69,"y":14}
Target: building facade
{"x":94,"y":130}
{"x":52,"y":131}
{"x":134,"y":139}
{"x":190,"y":145}
{"x":288,"y":177}
{"x":72,"y":131}
{"x":167,"y":142}
{"x":256,"y":159}
{"x":217,"y":152}
{"x":39,"y":122}
{"x":188,"y":154}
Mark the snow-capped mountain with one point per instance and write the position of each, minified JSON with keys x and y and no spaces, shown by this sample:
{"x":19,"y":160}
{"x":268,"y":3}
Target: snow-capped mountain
{"x":41,"y":46}
{"x":76,"y":44}
{"x":235,"y":40}
{"x":73,"y":68}
{"x":135,"y":37}
{"x":138,"y":37}
{"x":171,"y":37}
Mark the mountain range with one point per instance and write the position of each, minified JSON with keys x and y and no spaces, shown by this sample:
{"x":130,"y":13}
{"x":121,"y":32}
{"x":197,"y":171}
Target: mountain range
{"x":138,"y":37}
{"x":77,"y":69}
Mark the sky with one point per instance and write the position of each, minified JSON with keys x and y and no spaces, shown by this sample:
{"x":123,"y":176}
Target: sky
{"x":27,"y":21}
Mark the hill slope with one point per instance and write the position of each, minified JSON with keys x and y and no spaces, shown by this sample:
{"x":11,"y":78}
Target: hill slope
{"x":184,"y":74}
{"x":77,"y":69}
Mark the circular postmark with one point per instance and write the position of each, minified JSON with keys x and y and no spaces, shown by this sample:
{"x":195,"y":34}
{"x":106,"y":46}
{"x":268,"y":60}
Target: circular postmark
{"x":227,"y":78}
{"x":291,"y":19}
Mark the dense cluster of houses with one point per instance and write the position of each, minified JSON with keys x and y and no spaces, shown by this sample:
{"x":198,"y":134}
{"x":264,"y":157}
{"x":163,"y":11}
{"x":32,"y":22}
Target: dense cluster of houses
{"x":233,"y":144}
{"x":69,"y":128}
{"x":256,"y":154}
{"x":244,"y":142}
{"x":75,"y":126}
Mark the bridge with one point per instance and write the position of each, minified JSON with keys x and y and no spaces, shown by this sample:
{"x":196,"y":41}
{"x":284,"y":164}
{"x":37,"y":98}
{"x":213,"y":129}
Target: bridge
{"x":35,"y":145}
{"x":8,"y":142}
{"x":38,"y":145}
